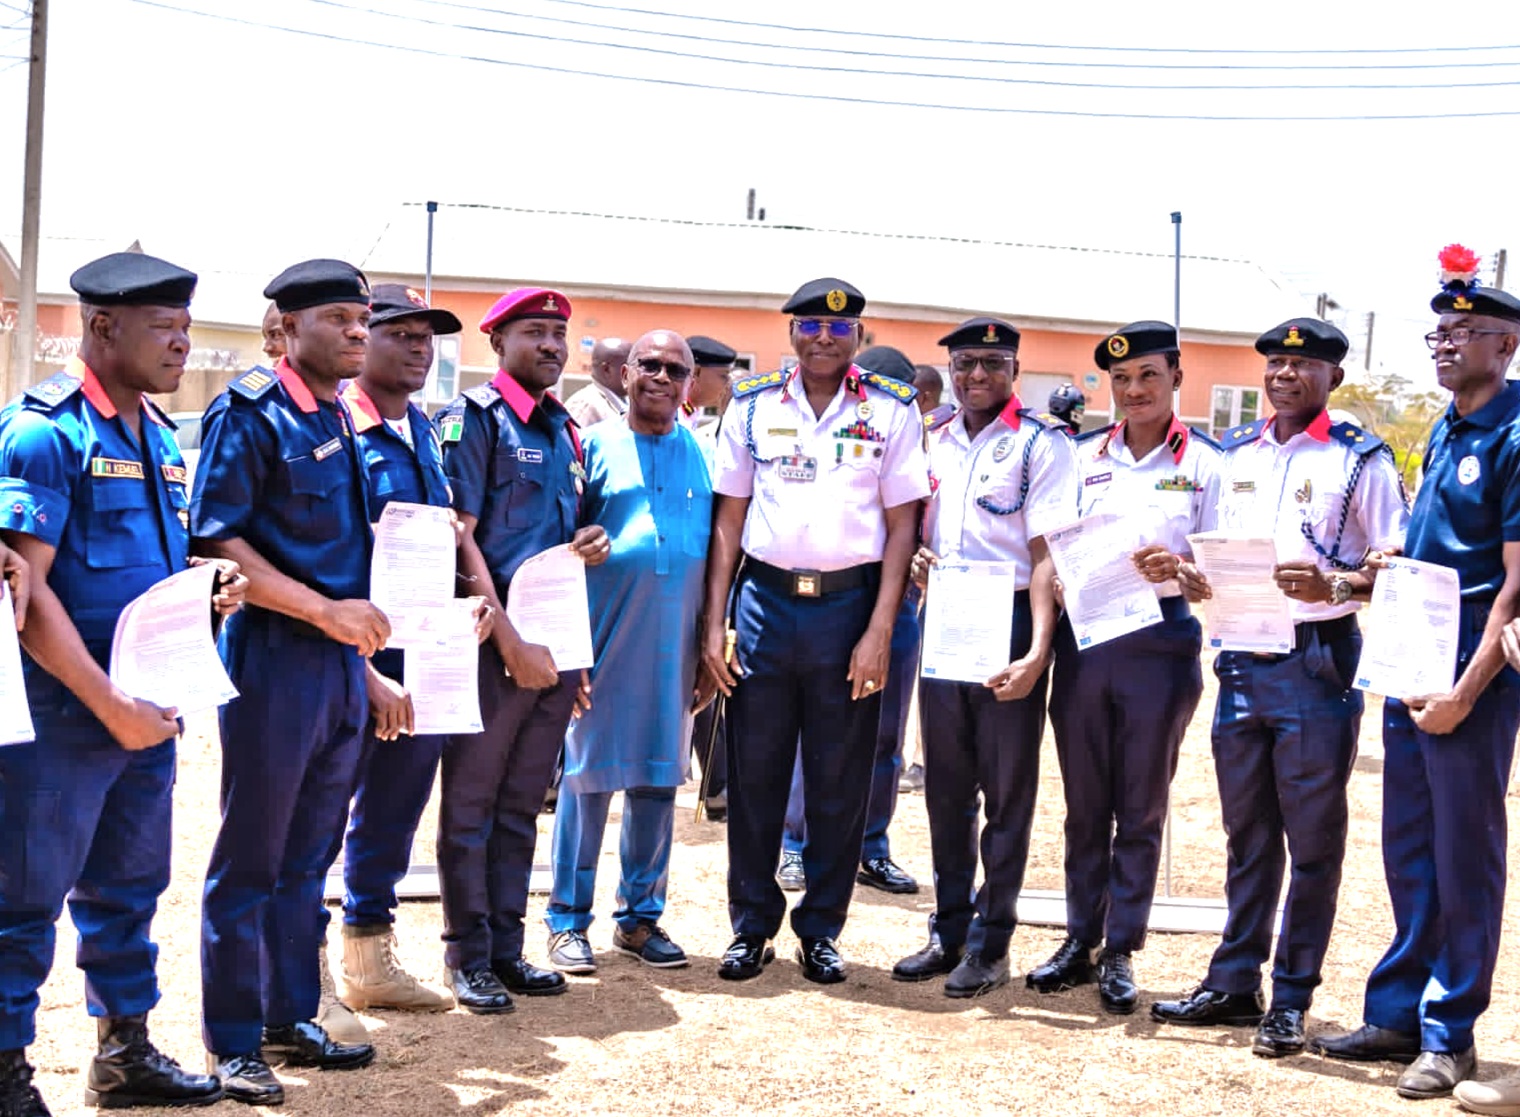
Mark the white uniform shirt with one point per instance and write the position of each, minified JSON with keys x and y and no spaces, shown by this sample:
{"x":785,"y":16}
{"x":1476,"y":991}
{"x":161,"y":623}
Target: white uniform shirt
{"x":1272,"y":488}
{"x":1167,"y":495}
{"x":982,"y":509}
{"x":819,"y":485}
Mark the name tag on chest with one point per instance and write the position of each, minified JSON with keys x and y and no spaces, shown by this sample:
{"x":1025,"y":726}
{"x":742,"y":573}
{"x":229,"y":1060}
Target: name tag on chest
{"x":116,"y":467}
{"x":327,"y":449}
{"x":529,"y":455}
{"x":797,"y":468}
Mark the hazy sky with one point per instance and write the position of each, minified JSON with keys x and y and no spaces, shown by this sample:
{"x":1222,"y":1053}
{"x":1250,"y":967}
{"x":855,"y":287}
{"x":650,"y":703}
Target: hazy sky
{"x":237,"y":147}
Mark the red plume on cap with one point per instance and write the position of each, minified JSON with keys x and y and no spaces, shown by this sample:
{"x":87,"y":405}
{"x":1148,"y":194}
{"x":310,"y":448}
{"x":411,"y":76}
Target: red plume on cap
{"x":1458,"y":265}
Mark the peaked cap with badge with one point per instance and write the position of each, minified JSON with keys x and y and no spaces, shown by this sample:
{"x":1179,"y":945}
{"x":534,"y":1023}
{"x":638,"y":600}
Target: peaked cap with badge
{"x":826,"y":297}
{"x":982,"y":333}
{"x":1462,"y":294}
{"x":133,"y":279}
{"x":1138,"y":339}
{"x":317,"y":283}
{"x":1305,"y":337}
{"x":390,"y":301}
{"x":526,"y":302}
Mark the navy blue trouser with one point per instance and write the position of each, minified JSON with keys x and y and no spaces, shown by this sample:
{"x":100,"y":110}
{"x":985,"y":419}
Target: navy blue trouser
{"x":891,"y":731}
{"x":1285,"y":731}
{"x":973,"y":742}
{"x":1444,"y":834}
{"x":81,"y":817}
{"x":290,"y":755}
{"x":395,"y":782}
{"x":795,"y":652}
{"x":493,"y":786}
{"x":1120,"y":711}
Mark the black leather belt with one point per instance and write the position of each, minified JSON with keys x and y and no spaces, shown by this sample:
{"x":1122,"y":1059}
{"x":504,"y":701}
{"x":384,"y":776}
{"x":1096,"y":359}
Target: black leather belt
{"x":811,"y":583}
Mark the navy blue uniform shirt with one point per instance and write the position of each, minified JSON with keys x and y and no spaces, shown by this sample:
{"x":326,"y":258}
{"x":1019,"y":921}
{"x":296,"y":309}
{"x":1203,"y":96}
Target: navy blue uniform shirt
{"x":516,"y":467}
{"x":112,"y":505}
{"x":1468,"y":506}
{"x":280,"y":470}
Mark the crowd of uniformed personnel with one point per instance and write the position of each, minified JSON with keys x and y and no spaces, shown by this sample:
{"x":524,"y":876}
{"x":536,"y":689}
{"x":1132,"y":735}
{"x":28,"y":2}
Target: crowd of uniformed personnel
{"x":790,"y":573}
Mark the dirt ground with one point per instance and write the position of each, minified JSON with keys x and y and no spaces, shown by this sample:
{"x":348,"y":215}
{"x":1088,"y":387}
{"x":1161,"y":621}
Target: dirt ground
{"x":632,"y":1040}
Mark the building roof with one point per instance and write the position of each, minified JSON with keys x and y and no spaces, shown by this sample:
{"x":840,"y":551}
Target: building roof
{"x":754,"y":263}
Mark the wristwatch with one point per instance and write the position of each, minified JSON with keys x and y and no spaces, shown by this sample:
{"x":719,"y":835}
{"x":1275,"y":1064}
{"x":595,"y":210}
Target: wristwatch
{"x":1340,"y":590}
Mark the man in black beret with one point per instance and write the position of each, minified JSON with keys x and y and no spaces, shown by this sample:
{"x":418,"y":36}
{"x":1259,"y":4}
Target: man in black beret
{"x":1447,"y":757}
{"x":92,"y":486}
{"x":813,"y":610}
{"x":1287,"y":718}
{"x":281,"y":489}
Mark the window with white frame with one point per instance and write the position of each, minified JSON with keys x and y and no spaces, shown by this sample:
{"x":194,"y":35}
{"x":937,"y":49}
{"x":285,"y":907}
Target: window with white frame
{"x":1234,"y":405}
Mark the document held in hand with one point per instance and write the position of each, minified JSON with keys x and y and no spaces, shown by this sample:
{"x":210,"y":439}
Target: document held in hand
{"x":412,"y":569}
{"x":547,"y":604}
{"x":15,"y":715}
{"x":163,"y":651}
{"x":968,"y":621}
{"x":1247,"y":612}
{"x":1106,"y":596}
{"x":1410,"y":649}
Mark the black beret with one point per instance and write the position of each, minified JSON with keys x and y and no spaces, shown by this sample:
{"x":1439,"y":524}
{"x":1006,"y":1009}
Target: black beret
{"x":390,"y":301}
{"x":1491,"y":302}
{"x":133,"y":279}
{"x":706,"y":351}
{"x":1138,"y":339}
{"x":982,"y":333}
{"x":317,"y":283}
{"x":887,"y":361}
{"x":826,"y":296}
{"x":1305,"y":337}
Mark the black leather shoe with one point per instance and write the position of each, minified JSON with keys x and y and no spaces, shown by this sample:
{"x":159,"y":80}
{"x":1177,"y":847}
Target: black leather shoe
{"x":304,"y":1044}
{"x":18,"y":1097}
{"x":746,"y":957}
{"x":1369,"y":1044}
{"x":1435,"y":1074}
{"x":246,"y":1078}
{"x":1070,"y":966}
{"x":887,"y":875}
{"x":1281,"y":1032}
{"x":820,"y":961}
{"x":478,"y":990}
{"x":976,"y":976}
{"x":527,"y":980}
{"x":130,"y":1071}
{"x":1205,"y":1007}
{"x":930,"y":962}
{"x":1116,"y":983}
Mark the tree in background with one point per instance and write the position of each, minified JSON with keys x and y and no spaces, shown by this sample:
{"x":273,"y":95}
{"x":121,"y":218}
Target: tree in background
{"x":1385,"y":405}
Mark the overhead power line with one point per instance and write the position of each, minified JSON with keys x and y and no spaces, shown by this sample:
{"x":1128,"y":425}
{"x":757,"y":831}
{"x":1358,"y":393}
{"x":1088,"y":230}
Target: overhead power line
{"x":370,"y":10}
{"x":992,"y":44}
{"x":791,"y":94}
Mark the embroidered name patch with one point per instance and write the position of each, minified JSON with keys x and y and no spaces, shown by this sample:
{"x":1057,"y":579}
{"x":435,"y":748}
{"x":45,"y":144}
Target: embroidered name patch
{"x":327,"y":449}
{"x":174,"y":474}
{"x":116,"y":467}
{"x":526,"y":454}
{"x":1099,"y":479}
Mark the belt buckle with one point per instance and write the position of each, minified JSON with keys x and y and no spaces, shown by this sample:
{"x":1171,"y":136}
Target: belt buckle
{"x":807,"y":583}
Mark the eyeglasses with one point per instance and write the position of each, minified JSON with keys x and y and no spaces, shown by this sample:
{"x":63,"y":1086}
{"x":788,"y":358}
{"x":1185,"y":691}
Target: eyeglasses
{"x":837,"y":327}
{"x":992,"y":362}
{"x":651,"y":366}
{"x":1458,"y":336}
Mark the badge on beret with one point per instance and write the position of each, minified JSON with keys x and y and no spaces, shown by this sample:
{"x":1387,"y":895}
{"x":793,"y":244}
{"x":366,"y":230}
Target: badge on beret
{"x":550,"y":305}
{"x":1467,"y":471}
{"x":1003,"y":448}
{"x":1461,"y":302}
{"x":991,"y":334}
{"x":1118,"y":346}
{"x":835,"y":300}
{"x":1293,"y":339}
